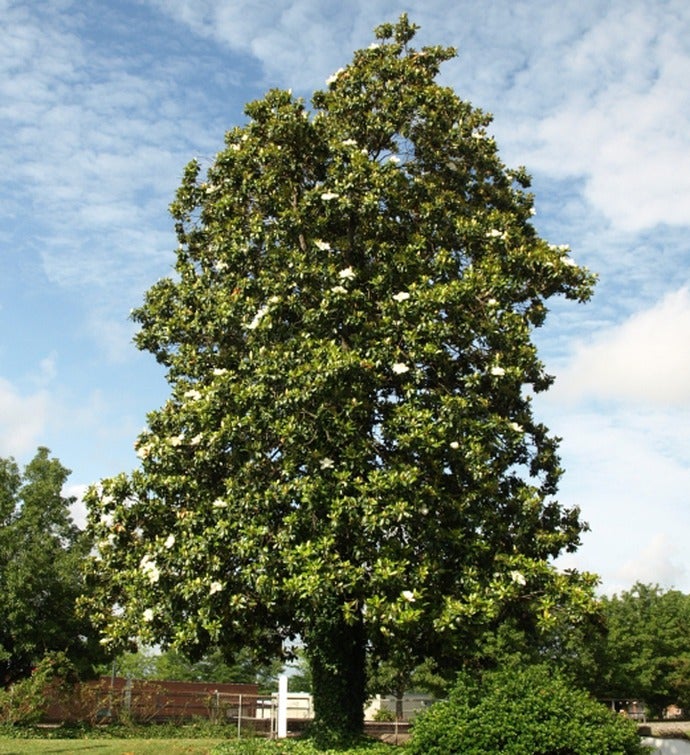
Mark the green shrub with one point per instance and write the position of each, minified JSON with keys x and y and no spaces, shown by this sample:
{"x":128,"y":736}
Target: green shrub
{"x":522,"y":711}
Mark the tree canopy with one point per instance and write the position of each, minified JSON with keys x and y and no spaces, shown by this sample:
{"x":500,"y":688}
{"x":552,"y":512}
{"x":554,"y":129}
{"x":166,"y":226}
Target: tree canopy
{"x":647,"y":651}
{"x":40,"y":578}
{"x":349,"y":452}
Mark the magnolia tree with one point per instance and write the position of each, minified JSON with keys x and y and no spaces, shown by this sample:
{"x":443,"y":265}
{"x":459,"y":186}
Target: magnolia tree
{"x":348,"y":453}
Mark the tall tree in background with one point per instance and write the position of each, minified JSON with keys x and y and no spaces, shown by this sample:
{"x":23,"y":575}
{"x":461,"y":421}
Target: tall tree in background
{"x":349,"y":452}
{"x":40,"y":570}
{"x":647,"y":649}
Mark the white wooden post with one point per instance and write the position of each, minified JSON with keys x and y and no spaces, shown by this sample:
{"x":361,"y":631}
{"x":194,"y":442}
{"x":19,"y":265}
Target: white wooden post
{"x":282,"y":706}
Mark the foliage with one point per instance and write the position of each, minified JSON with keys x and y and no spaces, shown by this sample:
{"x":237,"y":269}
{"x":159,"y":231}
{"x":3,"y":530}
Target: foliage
{"x":647,"y":649}
{"x":213,"y":666}
{"x":522,"y":711}
{"x":40,"y":554}
{"x":349,"y":452}
{"x":24,"y":701}
{"x":300,"y":747}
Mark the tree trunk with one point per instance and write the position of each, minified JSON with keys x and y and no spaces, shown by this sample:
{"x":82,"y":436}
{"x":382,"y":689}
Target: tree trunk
{"x":336,"y":651}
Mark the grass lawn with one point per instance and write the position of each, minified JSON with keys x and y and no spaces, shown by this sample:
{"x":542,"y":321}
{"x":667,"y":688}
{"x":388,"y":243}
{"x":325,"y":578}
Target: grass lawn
{"x":108,"y":746}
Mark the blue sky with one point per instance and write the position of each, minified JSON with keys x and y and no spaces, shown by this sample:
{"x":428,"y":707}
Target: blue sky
{"x":103,"y":103}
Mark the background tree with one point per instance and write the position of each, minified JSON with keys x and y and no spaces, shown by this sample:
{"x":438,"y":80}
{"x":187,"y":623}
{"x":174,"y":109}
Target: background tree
{"x":647,"y":649}
{"x":171,"y":665}
{"x":349,"y":452}
{"x":41,"y":551}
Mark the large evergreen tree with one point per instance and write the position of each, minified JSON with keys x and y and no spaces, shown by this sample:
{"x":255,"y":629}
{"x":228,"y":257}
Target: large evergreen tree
{"x":349,"y":452}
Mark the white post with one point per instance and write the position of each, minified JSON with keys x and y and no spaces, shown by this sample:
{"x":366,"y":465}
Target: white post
{"x":282,"y":706}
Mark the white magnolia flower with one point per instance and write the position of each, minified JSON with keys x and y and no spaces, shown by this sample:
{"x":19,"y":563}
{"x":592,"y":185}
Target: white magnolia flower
{"x":147,"y":615}
{"x":492,"y":303}
{"x":261,"y":312}
{"x":235,"y":147}
{"x":401,"y":296}
{"x":400,"y":368}
{"x":107,"y":520}
{"x":192,"y":394}
{"x":218,"y":371}
{"x":346,"y":273}
{"x":144,"y":450}
{"x":518,"y":577}
{"x":568,"y":261}
{"x":532,"y":211}
{"x":454,"y":445}
{"x":150,"y":569}
{"x":176,"y":440}
{"x":274,"y":299}
{"x":196,"y":439}
{"x":516,"y":427}
{"x":215,"y":587}
{"x":498,"y":371}
{"x":326,"y":463}
{"x":328,"y":195}
{"x":495,"y":233}
{"x":334,"y":77}
{"x":219,"y":503}
{"x":394,"y":159}
{"x":338,"y":290}
{"x":324,"y":246}
{"x":169,"y":541}
{"x":408,"y":595}
{"x":349,"y":143}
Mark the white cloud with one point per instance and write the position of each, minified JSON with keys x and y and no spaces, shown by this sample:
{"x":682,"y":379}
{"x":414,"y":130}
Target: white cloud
{"x":644,"y":359}
{"x":620,"y":123}
{"x":656,"y":563}
{"x":629,"y":472}
{"x":22,"y":419}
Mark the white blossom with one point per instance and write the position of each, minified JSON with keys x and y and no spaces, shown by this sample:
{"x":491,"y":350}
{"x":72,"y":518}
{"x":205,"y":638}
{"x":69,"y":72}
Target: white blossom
{"x":150,"y":569}
{"x":196,"y":439}
{"x":400,"y":368}
{"x":568,"y":261}
{"x":408,"y":595}
{"x":334,"y":77}
{"x":495,"y":233}
{"x":394,"y":159}
{"x":492,"y":303}
{"x":346,"y":273}
{"x":401,"y":296}
{"x":518,"y":577}
{"x":144,"y":450}
{"x":338,"y":290}
{"x":218,"y":371}
{"x":324,"y":246}
{"x":349,"y":143}
{"x":169,"y":541}
{"x":516,"y":427}
{"x":328,"y":195}
{"x":147,"y":615}
{"x":261,"y":312}
{"x":107,"y":520}
{"x":326,"y":463}
{"x":219,"y":503}
{"x":454,"y":445}
{"x":498,"y":371}
{"x":192,"y":394}
{"x":215,"y":587}
{"x":176,"y":440}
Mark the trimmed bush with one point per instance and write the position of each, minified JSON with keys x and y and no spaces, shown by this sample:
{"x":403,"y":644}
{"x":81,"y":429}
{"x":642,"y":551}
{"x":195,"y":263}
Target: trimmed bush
{"x":522,"y":711}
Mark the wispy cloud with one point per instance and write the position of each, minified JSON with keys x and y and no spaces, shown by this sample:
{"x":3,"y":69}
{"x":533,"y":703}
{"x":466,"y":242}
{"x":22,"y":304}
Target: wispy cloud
{"x":645,"y":359}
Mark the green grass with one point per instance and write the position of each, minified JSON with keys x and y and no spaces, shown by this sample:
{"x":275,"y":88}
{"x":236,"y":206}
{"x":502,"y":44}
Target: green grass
{"x":108,"y":746}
